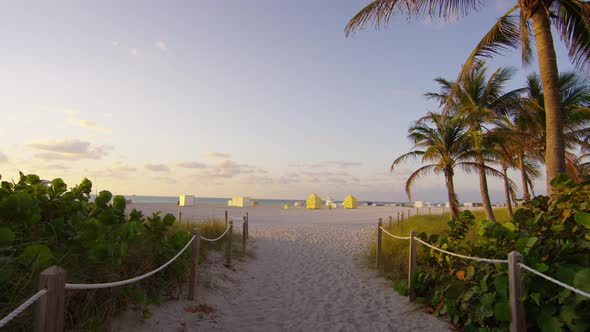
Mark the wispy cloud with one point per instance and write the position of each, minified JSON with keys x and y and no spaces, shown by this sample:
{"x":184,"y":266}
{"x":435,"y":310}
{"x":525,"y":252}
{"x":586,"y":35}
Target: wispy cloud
{"x":327,"y":164}
{"x":71,"y":112}
{"x":165,"y":179}
{"x":191,"y":164}
{"x":215,"y":154}
{"x":68,"y":149}
{"x":87,"y":124}
{"x":160,"y":45}
{"x":157,"y":167}
{"x":118,"y":169}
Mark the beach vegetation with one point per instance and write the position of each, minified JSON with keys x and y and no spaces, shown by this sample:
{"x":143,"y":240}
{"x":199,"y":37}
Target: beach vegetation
{"x":50,"y":224}
{"x":553,"y":234}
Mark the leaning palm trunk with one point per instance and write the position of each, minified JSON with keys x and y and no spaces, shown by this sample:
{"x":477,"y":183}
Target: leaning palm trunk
{"x":555,"y":150}
{"x":483,"y":186}
{"x":507,"y":191}
{"x":453,"y":201}
{"x":523,"y":175}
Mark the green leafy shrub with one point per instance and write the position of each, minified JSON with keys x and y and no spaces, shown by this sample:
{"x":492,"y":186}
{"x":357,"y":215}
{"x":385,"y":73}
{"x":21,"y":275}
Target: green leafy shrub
{"x":95,"y":242}
{"x":553,"y":234}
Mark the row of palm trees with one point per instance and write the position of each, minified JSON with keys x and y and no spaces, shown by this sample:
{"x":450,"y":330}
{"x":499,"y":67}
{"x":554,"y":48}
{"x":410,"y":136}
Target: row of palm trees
{"x":487,"y":130}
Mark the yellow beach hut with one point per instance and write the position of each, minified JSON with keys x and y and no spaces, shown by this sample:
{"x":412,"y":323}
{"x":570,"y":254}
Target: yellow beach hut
{"x":350,"y":202}
{"x":313,"y":201}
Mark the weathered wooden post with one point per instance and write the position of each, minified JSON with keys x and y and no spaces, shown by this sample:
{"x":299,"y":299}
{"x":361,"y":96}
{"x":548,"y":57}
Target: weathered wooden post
{"x":247,"y":225}
{"x":412,"y":266}
{"x":379,"y":243}
{"x":194,"y":276}
{"x":226,"y":218}
{"x":49,"y":310}
{"x":398,"y":217}
{"x":417,"y":211}
{"x":229,"y":245}
{"x":390,"y":223}
{"x":516,"y":287}
{"x":429,"y":211}
{"x":179,"y":216}
{"x":244,"y":232}
{"x":401,"y":224}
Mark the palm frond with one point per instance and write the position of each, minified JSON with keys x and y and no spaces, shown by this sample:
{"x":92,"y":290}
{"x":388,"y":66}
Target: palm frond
{"x":420,"y":172}
{"x":572,"y":22}
{"x":415,"y":155}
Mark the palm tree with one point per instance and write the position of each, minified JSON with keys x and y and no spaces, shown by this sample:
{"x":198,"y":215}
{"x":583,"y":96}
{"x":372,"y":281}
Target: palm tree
{"x":478,"y":101}
{"x":442,"y":147}
{"x":571,"y":19}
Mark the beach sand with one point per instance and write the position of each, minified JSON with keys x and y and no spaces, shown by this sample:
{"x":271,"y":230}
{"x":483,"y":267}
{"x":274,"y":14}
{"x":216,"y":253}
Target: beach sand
{"x":308,"y":275}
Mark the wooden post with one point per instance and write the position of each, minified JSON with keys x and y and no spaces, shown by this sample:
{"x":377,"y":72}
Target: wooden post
{"x":229,"y":245}
{"x":412,"y":266}
{"x":516,"y":287}
{"x":244,"y":232}
{"x":194,"y":276}
{"x":398,"y":217}
{"x":429,"y":211}
{"x":390,"y":223}
{"x":226,"y":218}
{"x":49,"y":310}
{"x":443,"y":209}
{"x":409,"y":213}
{"x":379,"y":244}
{"x":247,"y":225}
{"x":179,"y":216}
{"x":417,"y":211}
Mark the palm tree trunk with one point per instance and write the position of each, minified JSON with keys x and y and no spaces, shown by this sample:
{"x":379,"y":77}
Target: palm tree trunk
{"x":554,"y":149}
{"x":507,"y":191}
{"x":453,"y":201}
{"x":523,"y":176}
{"x":483,"y":187}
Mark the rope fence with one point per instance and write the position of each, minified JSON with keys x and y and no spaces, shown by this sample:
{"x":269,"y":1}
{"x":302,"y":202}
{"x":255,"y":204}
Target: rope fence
{"x":22,"y":307}
{"x":573,"y":289}
{"x":515,"y":263}
{"x":50,"y":313}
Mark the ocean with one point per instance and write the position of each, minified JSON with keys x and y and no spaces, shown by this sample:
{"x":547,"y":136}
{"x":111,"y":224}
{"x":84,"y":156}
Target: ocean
{"x":174,"y":200}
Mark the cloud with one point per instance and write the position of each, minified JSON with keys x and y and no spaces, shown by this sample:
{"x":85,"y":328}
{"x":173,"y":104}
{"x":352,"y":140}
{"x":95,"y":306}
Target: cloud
{"x":72,"y":112}
{"x":160,"y":45}
{"x":116,"y":170}
{"x":56,"y":167}
{"x":88,"y":125}
{"x":220,"y":155}
{"x":3,"y":158}
{"x":68,"y":149}
{"x":157,"y":167}
{"x":327,"y":163}
{"x":133,"y":51}
{"x":254,"y":179}
{"x":191,"y":164}
{"x":164,"y":179}
{"x":115,"y":43}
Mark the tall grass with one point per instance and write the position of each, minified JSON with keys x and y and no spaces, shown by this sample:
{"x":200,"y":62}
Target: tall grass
{"x":395,"y":252}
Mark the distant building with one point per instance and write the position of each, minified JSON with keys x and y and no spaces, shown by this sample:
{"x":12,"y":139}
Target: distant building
{"x":418,"y":204}
{"x":239,"y":201}
{"x":350,"y":202}
{"x":186,"y":200}
{"x":313,"y":202}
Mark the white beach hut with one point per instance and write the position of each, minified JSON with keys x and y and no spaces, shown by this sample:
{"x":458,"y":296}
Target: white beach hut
{"x":186,"y":200}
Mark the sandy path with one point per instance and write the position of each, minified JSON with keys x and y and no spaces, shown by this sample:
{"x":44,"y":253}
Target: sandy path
{"x":305,"y":277}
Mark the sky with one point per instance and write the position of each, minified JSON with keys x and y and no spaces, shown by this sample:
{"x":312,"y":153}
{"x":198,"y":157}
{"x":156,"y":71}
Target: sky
{"x":267,"y":99}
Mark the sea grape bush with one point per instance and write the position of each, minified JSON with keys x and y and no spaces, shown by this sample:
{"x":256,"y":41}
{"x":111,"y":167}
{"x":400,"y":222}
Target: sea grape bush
{"x":47,"y":224}
{"x":553,"y":234}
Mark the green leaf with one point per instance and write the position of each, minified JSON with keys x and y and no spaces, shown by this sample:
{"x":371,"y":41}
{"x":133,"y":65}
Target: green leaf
{"x":470,"y":272}
{"x":536,"y":297}
{"x":502,"y":311}
{"x":38,"y":255}
{"x":508,"y":225}
{"x":549,"y":324}
{"x":557,"y":228}
{"x":567,"y":313}
{"x":541,"y":267}
{"x":6,"y":236}
{"x":582,"y":280}
{"x":582,"y":218}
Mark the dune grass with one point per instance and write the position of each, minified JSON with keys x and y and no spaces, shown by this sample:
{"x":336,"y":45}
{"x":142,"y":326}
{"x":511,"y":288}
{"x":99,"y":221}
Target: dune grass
{"x":395,"y":252}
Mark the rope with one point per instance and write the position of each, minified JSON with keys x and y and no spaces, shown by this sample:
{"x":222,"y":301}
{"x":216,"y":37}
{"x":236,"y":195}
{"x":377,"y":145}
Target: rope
{"x":394,"y":236}
{"x":128,"y":281}
{"x":219,"y":238}
{"x":487,"y":260}
{"x":575,"y":290}
{"x":22,"y":307}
